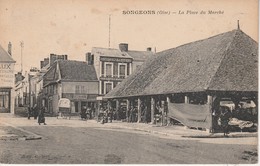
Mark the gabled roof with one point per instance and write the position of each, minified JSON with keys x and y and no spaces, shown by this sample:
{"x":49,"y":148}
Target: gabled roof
{"x":225,"y":62}
{"x":70,"y":70}
{"x":77,"y":71}
{"x":4,"y":56}
{"x":109,"y":52}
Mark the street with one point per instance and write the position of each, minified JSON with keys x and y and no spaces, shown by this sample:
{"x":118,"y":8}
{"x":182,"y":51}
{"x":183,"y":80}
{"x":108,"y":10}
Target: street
{"x":87,"y":142}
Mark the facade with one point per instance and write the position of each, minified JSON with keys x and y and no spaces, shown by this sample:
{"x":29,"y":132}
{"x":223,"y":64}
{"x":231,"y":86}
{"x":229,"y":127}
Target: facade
{"x":189,"y":82}
{"x":7,"y":80}
{"x":74,"y":80}
{"x":114,"y":65}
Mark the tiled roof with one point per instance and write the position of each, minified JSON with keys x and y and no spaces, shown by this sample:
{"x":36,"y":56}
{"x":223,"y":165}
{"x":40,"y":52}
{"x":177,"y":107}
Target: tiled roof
{"x":4,"y":56}
{"x":76,"y":71}
{"x":72,"y":71}
{"x":110,"y":52}
{"x":140,"y":55}
{"x":225,"y":62}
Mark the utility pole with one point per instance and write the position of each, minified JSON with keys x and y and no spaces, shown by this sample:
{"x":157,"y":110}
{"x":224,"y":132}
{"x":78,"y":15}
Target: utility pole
{"x":22,"y":45}
{"x":109,"y":31}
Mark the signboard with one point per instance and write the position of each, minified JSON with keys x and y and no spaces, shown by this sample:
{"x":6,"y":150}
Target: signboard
{"x":65,"y":103}
{"x":7,"y":74}
{"x":85,"y":97}
{"x":113,"y":59}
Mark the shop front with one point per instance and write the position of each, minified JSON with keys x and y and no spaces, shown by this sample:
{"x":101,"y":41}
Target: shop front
{"x":78,"y":101}
{"x":7,"y":96}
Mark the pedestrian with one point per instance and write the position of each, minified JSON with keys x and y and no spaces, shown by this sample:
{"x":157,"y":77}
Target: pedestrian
{"x":41,"y":117}
{"x":111,"y":114}
{"x":90,"y":112}
{"x":131,"y":114}
{"x":35,"y":111}
{"x":29,"y":112}
{"x":224,"y":119}
{"x":83,"y":113}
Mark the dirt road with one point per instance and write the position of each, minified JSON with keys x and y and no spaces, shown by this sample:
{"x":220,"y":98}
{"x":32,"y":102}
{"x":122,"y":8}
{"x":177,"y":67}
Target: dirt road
{"x":93,"y":144}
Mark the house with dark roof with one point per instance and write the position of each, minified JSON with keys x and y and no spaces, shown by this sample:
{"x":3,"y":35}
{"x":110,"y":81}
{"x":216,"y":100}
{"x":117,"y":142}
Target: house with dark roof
{"x":7,"y":79}
{"x":75,"y":80}
{"x":188,"y":82}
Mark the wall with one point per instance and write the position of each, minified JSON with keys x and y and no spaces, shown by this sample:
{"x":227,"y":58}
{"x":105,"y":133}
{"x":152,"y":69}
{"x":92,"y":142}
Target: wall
{"x":70,"y":87}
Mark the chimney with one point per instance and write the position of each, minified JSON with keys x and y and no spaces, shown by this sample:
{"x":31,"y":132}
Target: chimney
{"x":10,"y":48}
{"x":65,"y":57}
{"x":89,"y":58}
{"x":149,"y":49}
{"x":53,"y":58}
{"x":123,"y":47}
{"x":42,"y":64}
{"x":46,"y":61}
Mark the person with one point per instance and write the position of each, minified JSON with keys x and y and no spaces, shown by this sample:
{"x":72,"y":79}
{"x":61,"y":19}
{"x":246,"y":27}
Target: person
{"x":41,"y":118}
{"x":111,"y":114}
{"x":29,"y":112}
{"x":83,"y":113}
{"x":224,"y":119}
{"x":90,"y":112}
{"x":35,"y":111}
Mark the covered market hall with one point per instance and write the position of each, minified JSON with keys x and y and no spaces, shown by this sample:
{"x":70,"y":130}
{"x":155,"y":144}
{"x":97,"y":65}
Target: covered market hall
{"x":190,"y":83}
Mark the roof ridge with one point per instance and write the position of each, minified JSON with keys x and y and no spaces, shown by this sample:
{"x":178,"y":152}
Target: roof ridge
{"x":224,"y":55}
{"x":197,"y":41}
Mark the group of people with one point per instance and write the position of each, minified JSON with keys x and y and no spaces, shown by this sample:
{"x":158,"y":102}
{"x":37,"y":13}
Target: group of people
{"x":37,"y":114}
{"x":87,"y":113}
{"x":106,"y":114}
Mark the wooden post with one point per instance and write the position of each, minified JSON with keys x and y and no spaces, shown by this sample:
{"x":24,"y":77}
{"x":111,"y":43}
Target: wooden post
{"x":167,"y":111}
{"x":127,"y":109}
{"x":186,"y":100}
{"x":117,"y":109}
{"x":152,"y":109}
{"x":210,"y":102}
{"x":162,"y":107}
{"x":139,"y":110}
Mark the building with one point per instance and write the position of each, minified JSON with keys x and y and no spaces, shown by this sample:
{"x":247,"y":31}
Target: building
{"x":74,"y":80}
{"x":114,"y":65}
{"x":7,"y":79}
{"x":189,"y":82}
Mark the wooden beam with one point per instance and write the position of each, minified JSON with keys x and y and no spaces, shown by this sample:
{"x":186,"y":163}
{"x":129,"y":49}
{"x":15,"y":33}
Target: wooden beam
{"x":152,"y":109}
{"x":139,"y":110}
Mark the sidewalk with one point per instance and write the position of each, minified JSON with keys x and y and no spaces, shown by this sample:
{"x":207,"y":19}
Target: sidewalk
{"x":177,"y":130}
{"x":15,"y":122}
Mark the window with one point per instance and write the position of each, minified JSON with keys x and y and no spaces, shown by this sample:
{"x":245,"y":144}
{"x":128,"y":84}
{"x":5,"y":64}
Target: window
{"x":77,"y":89}
{"x":108,"y":87}
{"x":102,"y":68}
{"x":5,"y":101}
{"x":83,"y":90}
{"x":122,"y":71}
{"x":109,"y":70}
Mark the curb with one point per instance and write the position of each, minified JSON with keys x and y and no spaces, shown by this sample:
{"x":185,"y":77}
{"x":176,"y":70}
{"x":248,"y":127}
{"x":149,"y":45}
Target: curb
{"x":31,"y":135}
{"x":234,"y":135}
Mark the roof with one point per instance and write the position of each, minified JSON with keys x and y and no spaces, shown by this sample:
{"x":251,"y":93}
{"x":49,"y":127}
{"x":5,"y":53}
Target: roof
{"x":77,"y":71}
{"x":109,"y":52}
{"x":70,"y":70}
{"x":225,"y":62}
{"x":139,"y":55}
{"x":4,"y":56}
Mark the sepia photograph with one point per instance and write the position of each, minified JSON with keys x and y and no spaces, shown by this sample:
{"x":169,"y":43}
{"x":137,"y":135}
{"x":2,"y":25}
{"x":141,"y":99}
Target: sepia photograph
{"x":129,"y":82}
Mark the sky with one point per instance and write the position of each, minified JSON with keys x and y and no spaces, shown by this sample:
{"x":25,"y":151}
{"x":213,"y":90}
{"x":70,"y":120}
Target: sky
{"x":73,"y":27}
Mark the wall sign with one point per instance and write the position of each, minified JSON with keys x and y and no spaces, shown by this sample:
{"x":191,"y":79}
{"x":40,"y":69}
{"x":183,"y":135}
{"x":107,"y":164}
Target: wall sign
{"x":7,"y":74}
